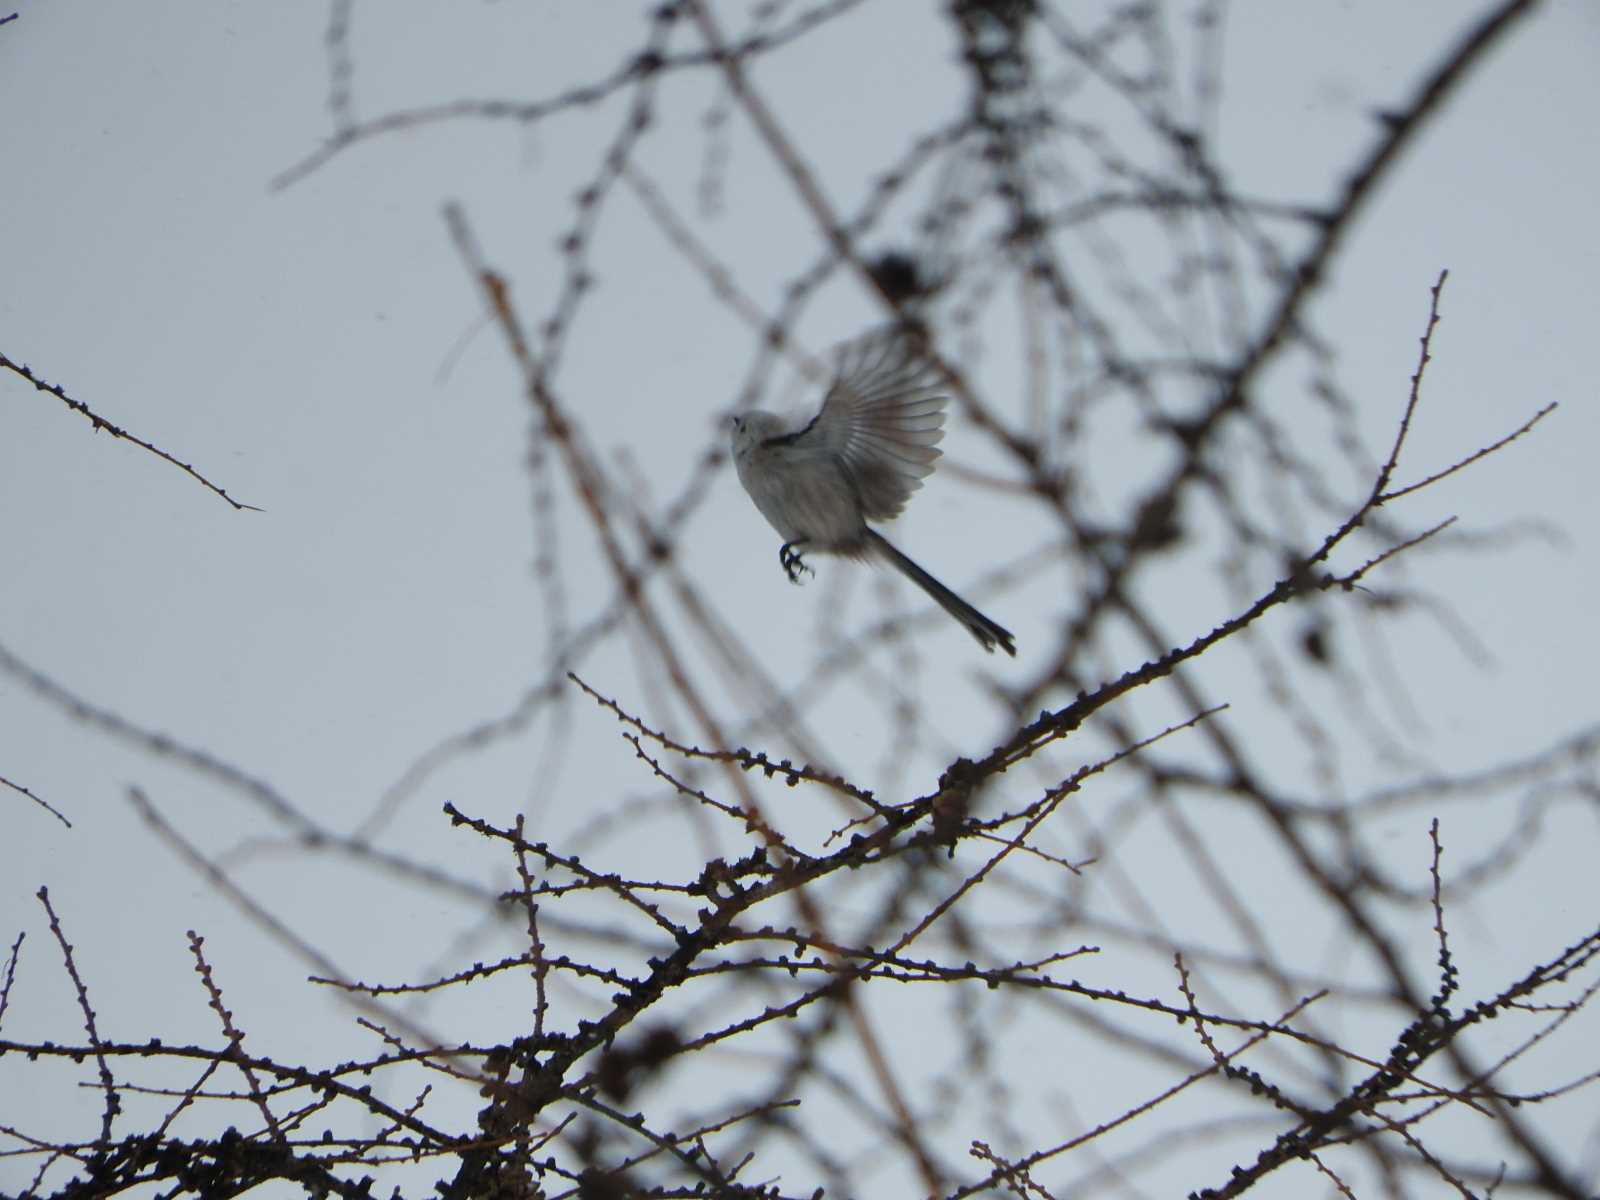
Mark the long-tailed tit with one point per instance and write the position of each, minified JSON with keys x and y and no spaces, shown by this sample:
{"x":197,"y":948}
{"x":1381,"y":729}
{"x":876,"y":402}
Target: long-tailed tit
{"x":858,"y":460}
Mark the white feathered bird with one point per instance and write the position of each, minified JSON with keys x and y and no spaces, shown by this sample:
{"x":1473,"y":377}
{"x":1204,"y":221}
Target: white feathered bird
{"x":859,"y":459}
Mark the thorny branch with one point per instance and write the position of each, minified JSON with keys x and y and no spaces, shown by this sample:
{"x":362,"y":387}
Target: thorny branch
{"x":712,"y":982}
{"x":97,"y":422}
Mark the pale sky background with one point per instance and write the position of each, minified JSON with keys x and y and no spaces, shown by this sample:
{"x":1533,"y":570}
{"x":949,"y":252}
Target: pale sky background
{"x":312,"y":350}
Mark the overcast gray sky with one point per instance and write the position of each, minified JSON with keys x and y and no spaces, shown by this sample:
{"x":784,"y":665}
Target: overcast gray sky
{"x":319,"y":351}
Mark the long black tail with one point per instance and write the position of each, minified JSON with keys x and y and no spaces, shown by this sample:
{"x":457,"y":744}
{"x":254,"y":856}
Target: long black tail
{"x":989,"y":634}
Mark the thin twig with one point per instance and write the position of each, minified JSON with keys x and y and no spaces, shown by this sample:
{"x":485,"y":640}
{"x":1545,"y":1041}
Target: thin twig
{"x":44,"y":804}
{"x":116,"y":431}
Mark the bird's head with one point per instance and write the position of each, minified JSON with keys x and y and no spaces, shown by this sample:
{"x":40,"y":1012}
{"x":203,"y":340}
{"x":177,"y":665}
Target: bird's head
{"x":749,"y":428}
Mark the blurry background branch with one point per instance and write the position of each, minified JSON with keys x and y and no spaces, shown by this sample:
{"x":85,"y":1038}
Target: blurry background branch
{"x":774,"y":906}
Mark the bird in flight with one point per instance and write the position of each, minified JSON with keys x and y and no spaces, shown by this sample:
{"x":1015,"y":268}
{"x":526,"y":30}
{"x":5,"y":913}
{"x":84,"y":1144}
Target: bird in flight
{"x":859,"y":459}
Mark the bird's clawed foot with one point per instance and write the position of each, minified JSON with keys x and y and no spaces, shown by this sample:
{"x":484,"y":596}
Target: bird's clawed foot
{"x":793,"y":565}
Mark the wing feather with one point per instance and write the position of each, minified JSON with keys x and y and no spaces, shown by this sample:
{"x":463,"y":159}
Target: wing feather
{"x":883,"y":417}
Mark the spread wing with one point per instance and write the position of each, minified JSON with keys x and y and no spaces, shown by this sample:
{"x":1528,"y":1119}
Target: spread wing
{"x":882,"y":418}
